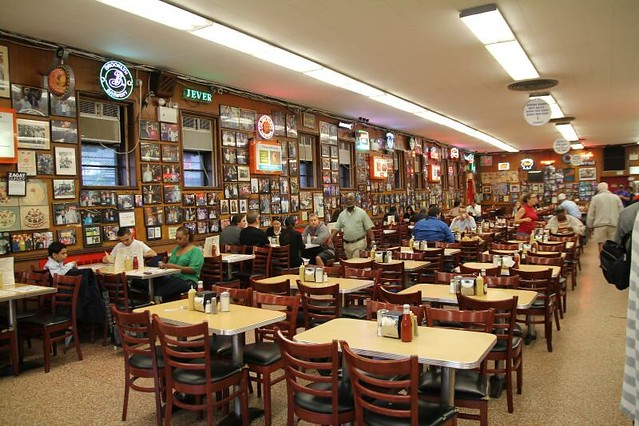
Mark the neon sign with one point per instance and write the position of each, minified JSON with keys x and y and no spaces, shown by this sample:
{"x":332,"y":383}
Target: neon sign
{"x":527,"y":164}
{"x":116,"y":80}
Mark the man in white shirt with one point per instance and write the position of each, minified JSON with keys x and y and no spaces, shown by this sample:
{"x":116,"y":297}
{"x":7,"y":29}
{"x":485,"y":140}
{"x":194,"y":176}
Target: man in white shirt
{"x":474,"y":209}
{"x":571,"y":207}
{"x":562,"y":221}
{"x":129,"y":247}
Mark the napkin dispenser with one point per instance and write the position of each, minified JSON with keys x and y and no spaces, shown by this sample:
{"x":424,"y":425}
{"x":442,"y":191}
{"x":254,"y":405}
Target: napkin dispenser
{"x":314,"y":274}
{"x":202,"y":298}
{"x":390,"y":324}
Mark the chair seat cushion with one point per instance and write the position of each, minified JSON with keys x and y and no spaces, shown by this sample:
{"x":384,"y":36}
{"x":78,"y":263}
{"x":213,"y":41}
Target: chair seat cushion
{"x":46,"y":320}
{"x":430,"y":414}
{"x":262,"y":353}
{"x":469,"y":384}
{"x":220,"y":345}
{"x":220,"y":370}
{"x":500,"y":346}
{"x":356,"y":312}
{"x":323,"y":405}
{"x":144,"y":362}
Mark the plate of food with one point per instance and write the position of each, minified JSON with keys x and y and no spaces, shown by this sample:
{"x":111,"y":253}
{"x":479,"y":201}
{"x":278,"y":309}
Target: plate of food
{"x":9,"y":219}
{"x":36,"y":217}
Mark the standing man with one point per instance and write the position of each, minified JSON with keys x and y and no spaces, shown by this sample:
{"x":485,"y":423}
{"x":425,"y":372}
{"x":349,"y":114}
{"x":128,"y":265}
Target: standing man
{"x":570,"y":206}
{"x":623,"y":194}
{"x":603,"y":214}
{"x":252,"y":235}
{"x":356,"y":225}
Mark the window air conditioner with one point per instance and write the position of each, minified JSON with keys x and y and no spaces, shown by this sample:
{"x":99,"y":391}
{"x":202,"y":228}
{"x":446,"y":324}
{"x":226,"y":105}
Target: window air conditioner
{"x":197,"y":134}
{"x":99,"y":122}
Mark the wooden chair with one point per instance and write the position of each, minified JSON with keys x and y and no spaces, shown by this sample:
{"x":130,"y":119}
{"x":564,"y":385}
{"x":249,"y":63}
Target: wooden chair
{"x":356,"y":265}
{"x":239,"y":296}
{"x":413,"y":299}
{"x":354,"y":302}
{"x":471,"y":387}
{"x":8,"y":343}
{"x":507,"y":281}
{"x":445,"y":277}
{"x":399,"y":403}
{"x":336,"y":271}
{"x":316,"y":392}
{"x":262,"y":262}
{"x":374,"y":306}
{"x":280,"y":288}
{"x":545,"y":304}
{"x":320,"y":304}
{"x":40,"y":277}
{"x":556,"y":247}
{"x":507,"y":352}
{"x":403,"y":255}
{"x":212,"y":273}
{"x":236,"y":249}
{"x":559,"y":281}
{"x":491,"y":270}
{"x":338,"y":244}
{"x":504,"y":246}
{"x":189,"y":370}
{"x":470,"y":251}
{"x":392,"y":275}
{"x":450,"y":262}
{"x":141,"y":360}
{"x":280,"y":259}
{"x":436,"y":259}
{"x":60,"y":323}
{"x":264,"y":357}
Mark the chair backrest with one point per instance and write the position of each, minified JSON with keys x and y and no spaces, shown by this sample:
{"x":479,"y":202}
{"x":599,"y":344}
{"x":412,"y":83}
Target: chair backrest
{"x":442,"y":244}
{"x":237,"y":249}
{"x":539,"y":281}
{"x":522,"y":237}
{"x":280,"y":288}
{"x":392,"y":275}
{"x":372,"y":306}
{"x":544,"y":260}
{"x":413,"y":299}
{"x":212,"y":271}
{"x":320,"y":304}
{"x":41,"y":278}
{"x":356,"y":265}
{"x":66,"y":298}
{"x":402,"y":255}
{"x":239,"y":296}
{"x":308,"y":364}
{"x":289,"y":304}
{"x":505,"y":312}
{"x":262,"y":260}
{"x":556,"y":254}
{"x":280,"y":258}
{"x":504,"y":246}
{"x":398,"y":379}
{"x":440,"y":277}
{"x":369,"y":274}
{"x":502,"y":281}
{"x":470,"y":251}
{"x":136,"y":334}
{"x":491,"y":270}
{"x":552,"y":247}
{"x":334,"y":271}
{"x":435,"y":256}
{"x":116,"y":287}
{"x":472,"y":320}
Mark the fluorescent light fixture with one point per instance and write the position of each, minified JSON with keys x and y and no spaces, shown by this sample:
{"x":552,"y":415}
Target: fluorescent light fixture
{"x":513,"y":59}
{"x":567,"y":131}
{"x":286,"y":59}
{"x":487,"y":23}
{"x":577,"y":145}
{"x":161,"y":12}
{"x":555,"y":109}
{"x":399,"y":103}
{"x":345,"y":125}
{"x":340,"y":80}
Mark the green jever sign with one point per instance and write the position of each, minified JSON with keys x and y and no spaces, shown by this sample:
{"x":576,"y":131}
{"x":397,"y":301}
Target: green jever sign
{"x":197,"y":95}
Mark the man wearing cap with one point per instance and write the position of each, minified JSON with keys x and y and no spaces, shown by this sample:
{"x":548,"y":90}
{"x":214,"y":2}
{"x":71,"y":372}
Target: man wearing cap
{"x":622,"y":193}
{"x":356,"y":224}
{"x":603,"y":214}
{"x":561,"y":222}
{"x":570,"y":206}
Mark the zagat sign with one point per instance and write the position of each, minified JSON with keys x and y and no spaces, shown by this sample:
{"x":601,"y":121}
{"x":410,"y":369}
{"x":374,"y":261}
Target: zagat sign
{"x":116,"y":80}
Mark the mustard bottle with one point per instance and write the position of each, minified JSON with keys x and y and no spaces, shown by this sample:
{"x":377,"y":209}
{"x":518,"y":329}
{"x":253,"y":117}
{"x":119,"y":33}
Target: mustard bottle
{"x":191,"y":301}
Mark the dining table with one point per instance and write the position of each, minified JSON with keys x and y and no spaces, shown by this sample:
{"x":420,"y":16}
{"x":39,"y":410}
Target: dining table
{"x":440,"y":293}
{"x":346,"y":285}
{"x":446,"y":348}
{"x":229,"y":259}
{"x":409,"y":265}
{"x":146,"y":273}
{"x":478,"y":266}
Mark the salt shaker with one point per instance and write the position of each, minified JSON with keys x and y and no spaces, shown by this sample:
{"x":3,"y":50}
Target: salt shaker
{"x":225,"y":301}
{"x":213,"y":305}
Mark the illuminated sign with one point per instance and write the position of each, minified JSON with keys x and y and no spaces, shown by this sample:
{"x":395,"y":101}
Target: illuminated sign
{"x":116,"y":80}
{"x":266,"y":157}
{"x":454,"y":153}
{"x":265,"y":127}
{"x":362,"y":142}
{"x":470,"y":158}
{"x":390,"y":141}
{"x":527,"y":164}
{"x":197,"y":95}
{"x":435,"y":173}
{"x":547,"y":162}
{"x":434,"y":153}
{"x":503,"y":166}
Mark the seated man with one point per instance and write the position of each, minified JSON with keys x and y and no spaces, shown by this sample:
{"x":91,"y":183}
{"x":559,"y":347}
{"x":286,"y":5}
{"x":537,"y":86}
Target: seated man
{"x":252,"y":235}
{"x":317,"y":232}
{"x":565,"y":222}
{"x":463,"y":223}
{"x":432,"y":229}
{"x":128,"y":246}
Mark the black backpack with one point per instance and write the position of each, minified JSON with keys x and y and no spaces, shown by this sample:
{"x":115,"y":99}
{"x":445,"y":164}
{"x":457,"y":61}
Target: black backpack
{"x":615,"y":262}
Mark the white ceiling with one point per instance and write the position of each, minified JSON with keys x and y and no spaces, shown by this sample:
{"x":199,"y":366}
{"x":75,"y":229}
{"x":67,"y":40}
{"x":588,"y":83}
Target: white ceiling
{"x":416,"y":49}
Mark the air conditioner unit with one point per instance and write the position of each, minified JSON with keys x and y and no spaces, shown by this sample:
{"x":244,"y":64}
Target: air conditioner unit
{"x":197,"y":134}
{"x":99,"y":122}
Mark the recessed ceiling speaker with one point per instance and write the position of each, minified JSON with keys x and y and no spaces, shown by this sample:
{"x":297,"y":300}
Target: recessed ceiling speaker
{"x":533,"y":85}
{"x":163,"y":84}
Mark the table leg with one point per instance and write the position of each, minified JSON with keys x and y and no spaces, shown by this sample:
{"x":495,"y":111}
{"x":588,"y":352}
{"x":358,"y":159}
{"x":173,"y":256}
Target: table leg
{"x":531,"y":334}
{"x":448,"y":386}
{"x":13,"y":316}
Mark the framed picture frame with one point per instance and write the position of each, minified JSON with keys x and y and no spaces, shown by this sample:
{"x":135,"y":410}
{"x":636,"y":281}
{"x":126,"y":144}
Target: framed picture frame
{"x":64,"y":131}
{"x":149,"y":151}
{"x":30,"y":100}
{"x":173,"y":215}
{"x":5,"y":79}
{"x":486,"y":189}
{"x":169,"y":132}
{"x":587,"y":173}
{"x":27,"y":162}
{"x":172,"y":194}
{"x":151,"y":173}
{"x":224,"y":206}
{"x":63,"y":108}
{"x":126,"y":219}
{"x":515,"y":188}
{"x":33,"y":134}
{"x":308,"y":120}
{"x":42,"y":240}
{"x":228,"y":138}
{"x":243,"y":206}
{"x":63,"y":188}
{"x":171,"y":174}
{"x":149,"y":130}
{"x":154,"y":233}
{"x":67,"y":236}
{"x":92,"y":235}
{"x":291,"y":126}
{"x":170,"y":154}
{"x":243,"y":173}
{"x":153,"y":216}
{"x":126,"y":201}
{"x":65,"y":163}
{"x":110,"y":232}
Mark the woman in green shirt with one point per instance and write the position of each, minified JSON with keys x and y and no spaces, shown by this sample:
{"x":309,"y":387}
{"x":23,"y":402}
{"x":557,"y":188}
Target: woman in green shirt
{"x":188,"y":259}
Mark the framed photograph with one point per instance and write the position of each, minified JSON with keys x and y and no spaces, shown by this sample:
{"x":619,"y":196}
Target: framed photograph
{"x":244,"y":189}
{"x":188,"y":199}
{"x":171,"y":174}
{"x":284,"y":188}
{"x":231,"y":190}
{"x":486,"y":161}
{"x":22,"y":242}
{"x":214,"y":212}
{"x":189,"y":214}
{"x":226,"y":117}
{"x":151,"y":173}
{"x":293,"y":168}
{"x":5,"y":79}
{"x":170,"y":154}
{"x":202,"y":227}
{"x":67,"y":236}
{"x":44,"y":163}
{"x":325,"y":150}
{"x":90,"y":198}
{"x":292,"y":150}
{"x":110,"y":232}
{"x":326,"y":163}
{"x":126,"y":219}
{"x":172,"y":194}
{"x":153,"y":216}
{"x":230,"y":173}
{"x":65,"y":164}
{"x":241,"y":140}
{"x":285,"y":205}
{"x":334,"y":152}
{"x":42,"y":240}
{"x":191,"y":226}
{"x":33,"y":134}
{"x":569,"y":174}
{"x":228,"y":155}
{"x":515,"y":188}
{"x":334,"y":164}
{"x":279,"y":123}
{"x":66,"y":214}
{"x":63,"y":108}
{"x":202,"y":213}
{"x":265,"y":204}
{"x":64,"y":131}
{"x":308,"y":120}
{"x":108,"y":198}
{"x":149,"y":151}
{"x":243,"y":206}
{"x":242,"y":156}
{"x":149,"y":130}
{"x":169,"y":132}
{"x":295,"y":186}
{"x":243,"y":174}
{"x":228,"y":138}
{"x":224,"y":206}
{"x":214,"y":226}
{"x":63,"y":188}
{"x":587,"y":173}
{"x":173,"y":215}
{"x":213,"y":198}
{"x":27,"y":162}
{"x":125,"y":201}
{"x":200,"y":199}
{"x":138,"y":200}
{"x":92,"y":236}
{"x":247,"y":120}
{"x":91,"y":216}
{"x":233,"y":207}
{"x":291,"y":126}
{"x":154,"y":233}
{"x":109,"y":215}
{"x":486,"y":189}
{"x":254,"y":204}
{"x":255,"y":187}
{"x":30,"y":100}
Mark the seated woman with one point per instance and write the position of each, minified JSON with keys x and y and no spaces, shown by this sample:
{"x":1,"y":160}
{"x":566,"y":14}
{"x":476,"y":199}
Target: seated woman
{"x":188,"y":259}
{"x":293,"y":239}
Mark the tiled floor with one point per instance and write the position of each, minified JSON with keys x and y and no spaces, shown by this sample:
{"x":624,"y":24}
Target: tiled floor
{"x":578,"y":384}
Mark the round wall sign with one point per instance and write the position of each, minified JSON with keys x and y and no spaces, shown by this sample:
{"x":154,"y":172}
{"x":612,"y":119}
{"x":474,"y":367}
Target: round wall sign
{"x":575,"y":160}
{"x":116,"y":80}
{"x":537,"y":112}
{"x":566,"y":158}
{"x":265,"y":127}
{"x":61,"y":81}
{"x":561,"y":146}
